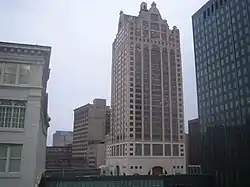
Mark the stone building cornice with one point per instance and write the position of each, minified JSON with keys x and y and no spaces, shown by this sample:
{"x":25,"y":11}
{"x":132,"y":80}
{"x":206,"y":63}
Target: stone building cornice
{"x":25,"y":51}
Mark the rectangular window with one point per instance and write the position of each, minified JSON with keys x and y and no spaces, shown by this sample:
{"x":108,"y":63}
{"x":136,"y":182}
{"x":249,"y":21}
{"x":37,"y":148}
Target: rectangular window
{"x":216,"y":5}
{"x":167,"y":149}
{"x":157,"y":150}
{"x":154,"y":17}
{"x":10,"y":72}
{"x":24,"y":72}
{"x":175,"y":149}
{"x":1,"y":70}
{"x":13,"y":73}
{"x":10,"y":157}
{"x":147,"y":150}
{"x":138,"y":149}
{"x":12,"y":114}
{"x":117,"y":150}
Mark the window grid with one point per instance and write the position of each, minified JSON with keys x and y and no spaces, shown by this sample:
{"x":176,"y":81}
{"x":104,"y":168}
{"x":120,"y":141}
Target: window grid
{"x":12,"y":114}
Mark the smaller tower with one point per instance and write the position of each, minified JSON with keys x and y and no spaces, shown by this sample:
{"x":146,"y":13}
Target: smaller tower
{"x":143,"y":6}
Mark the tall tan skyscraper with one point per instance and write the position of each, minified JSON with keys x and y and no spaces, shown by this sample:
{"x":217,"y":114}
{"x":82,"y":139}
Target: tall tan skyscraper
{"x":147,"y":119}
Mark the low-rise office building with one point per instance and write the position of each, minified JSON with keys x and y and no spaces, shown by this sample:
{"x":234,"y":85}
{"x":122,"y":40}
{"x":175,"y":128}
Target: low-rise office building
{"x":58,"y":157}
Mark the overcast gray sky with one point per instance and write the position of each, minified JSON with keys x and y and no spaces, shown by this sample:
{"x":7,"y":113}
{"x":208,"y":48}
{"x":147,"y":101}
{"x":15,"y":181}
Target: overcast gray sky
{"x":81,"y":33}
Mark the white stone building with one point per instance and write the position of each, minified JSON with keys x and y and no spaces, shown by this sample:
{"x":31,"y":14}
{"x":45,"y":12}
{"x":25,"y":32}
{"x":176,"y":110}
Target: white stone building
{"x":24,"y":72}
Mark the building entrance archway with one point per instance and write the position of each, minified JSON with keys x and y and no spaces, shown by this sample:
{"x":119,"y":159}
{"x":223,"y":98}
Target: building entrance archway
{"x":157,"y":170}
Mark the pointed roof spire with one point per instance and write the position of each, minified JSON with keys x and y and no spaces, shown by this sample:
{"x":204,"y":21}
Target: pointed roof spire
{"x":153,"y":4}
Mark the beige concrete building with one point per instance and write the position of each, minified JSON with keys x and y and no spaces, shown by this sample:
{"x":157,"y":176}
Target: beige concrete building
{"x":147,"y":119}
{"x":24,"y":72}
{"x":90,"y":123}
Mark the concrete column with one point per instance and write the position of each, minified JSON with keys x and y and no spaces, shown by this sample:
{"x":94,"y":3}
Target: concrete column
{"x":29,"y":156}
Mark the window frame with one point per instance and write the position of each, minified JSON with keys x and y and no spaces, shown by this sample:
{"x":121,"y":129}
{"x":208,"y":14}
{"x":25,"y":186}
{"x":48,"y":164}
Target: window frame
{"x":3,"y":72}
{"x":11,"y":106}
{"x":8,"y":157}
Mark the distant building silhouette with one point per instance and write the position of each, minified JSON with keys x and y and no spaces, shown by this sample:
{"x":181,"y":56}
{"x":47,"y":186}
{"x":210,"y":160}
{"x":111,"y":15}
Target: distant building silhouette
{"x":62,"y":138}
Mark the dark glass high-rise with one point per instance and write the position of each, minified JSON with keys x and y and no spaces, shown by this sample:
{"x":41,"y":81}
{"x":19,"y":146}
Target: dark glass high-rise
{"x":221,"y":30}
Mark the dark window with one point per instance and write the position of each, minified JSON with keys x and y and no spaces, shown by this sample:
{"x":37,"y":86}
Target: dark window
{"x":212,"y":7}
{"x":167,"y":149}
{"x":138,"y":149}
{"x":157,"y":150}
{"x":154,"y":17}
{"x":175,"y":150}
{"x":216,"y":5}
{"x":147,"y":150}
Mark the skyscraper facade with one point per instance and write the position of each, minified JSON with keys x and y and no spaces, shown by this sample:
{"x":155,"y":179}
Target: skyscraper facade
{"x":147,"y":119}
{"x":221,"y":30}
